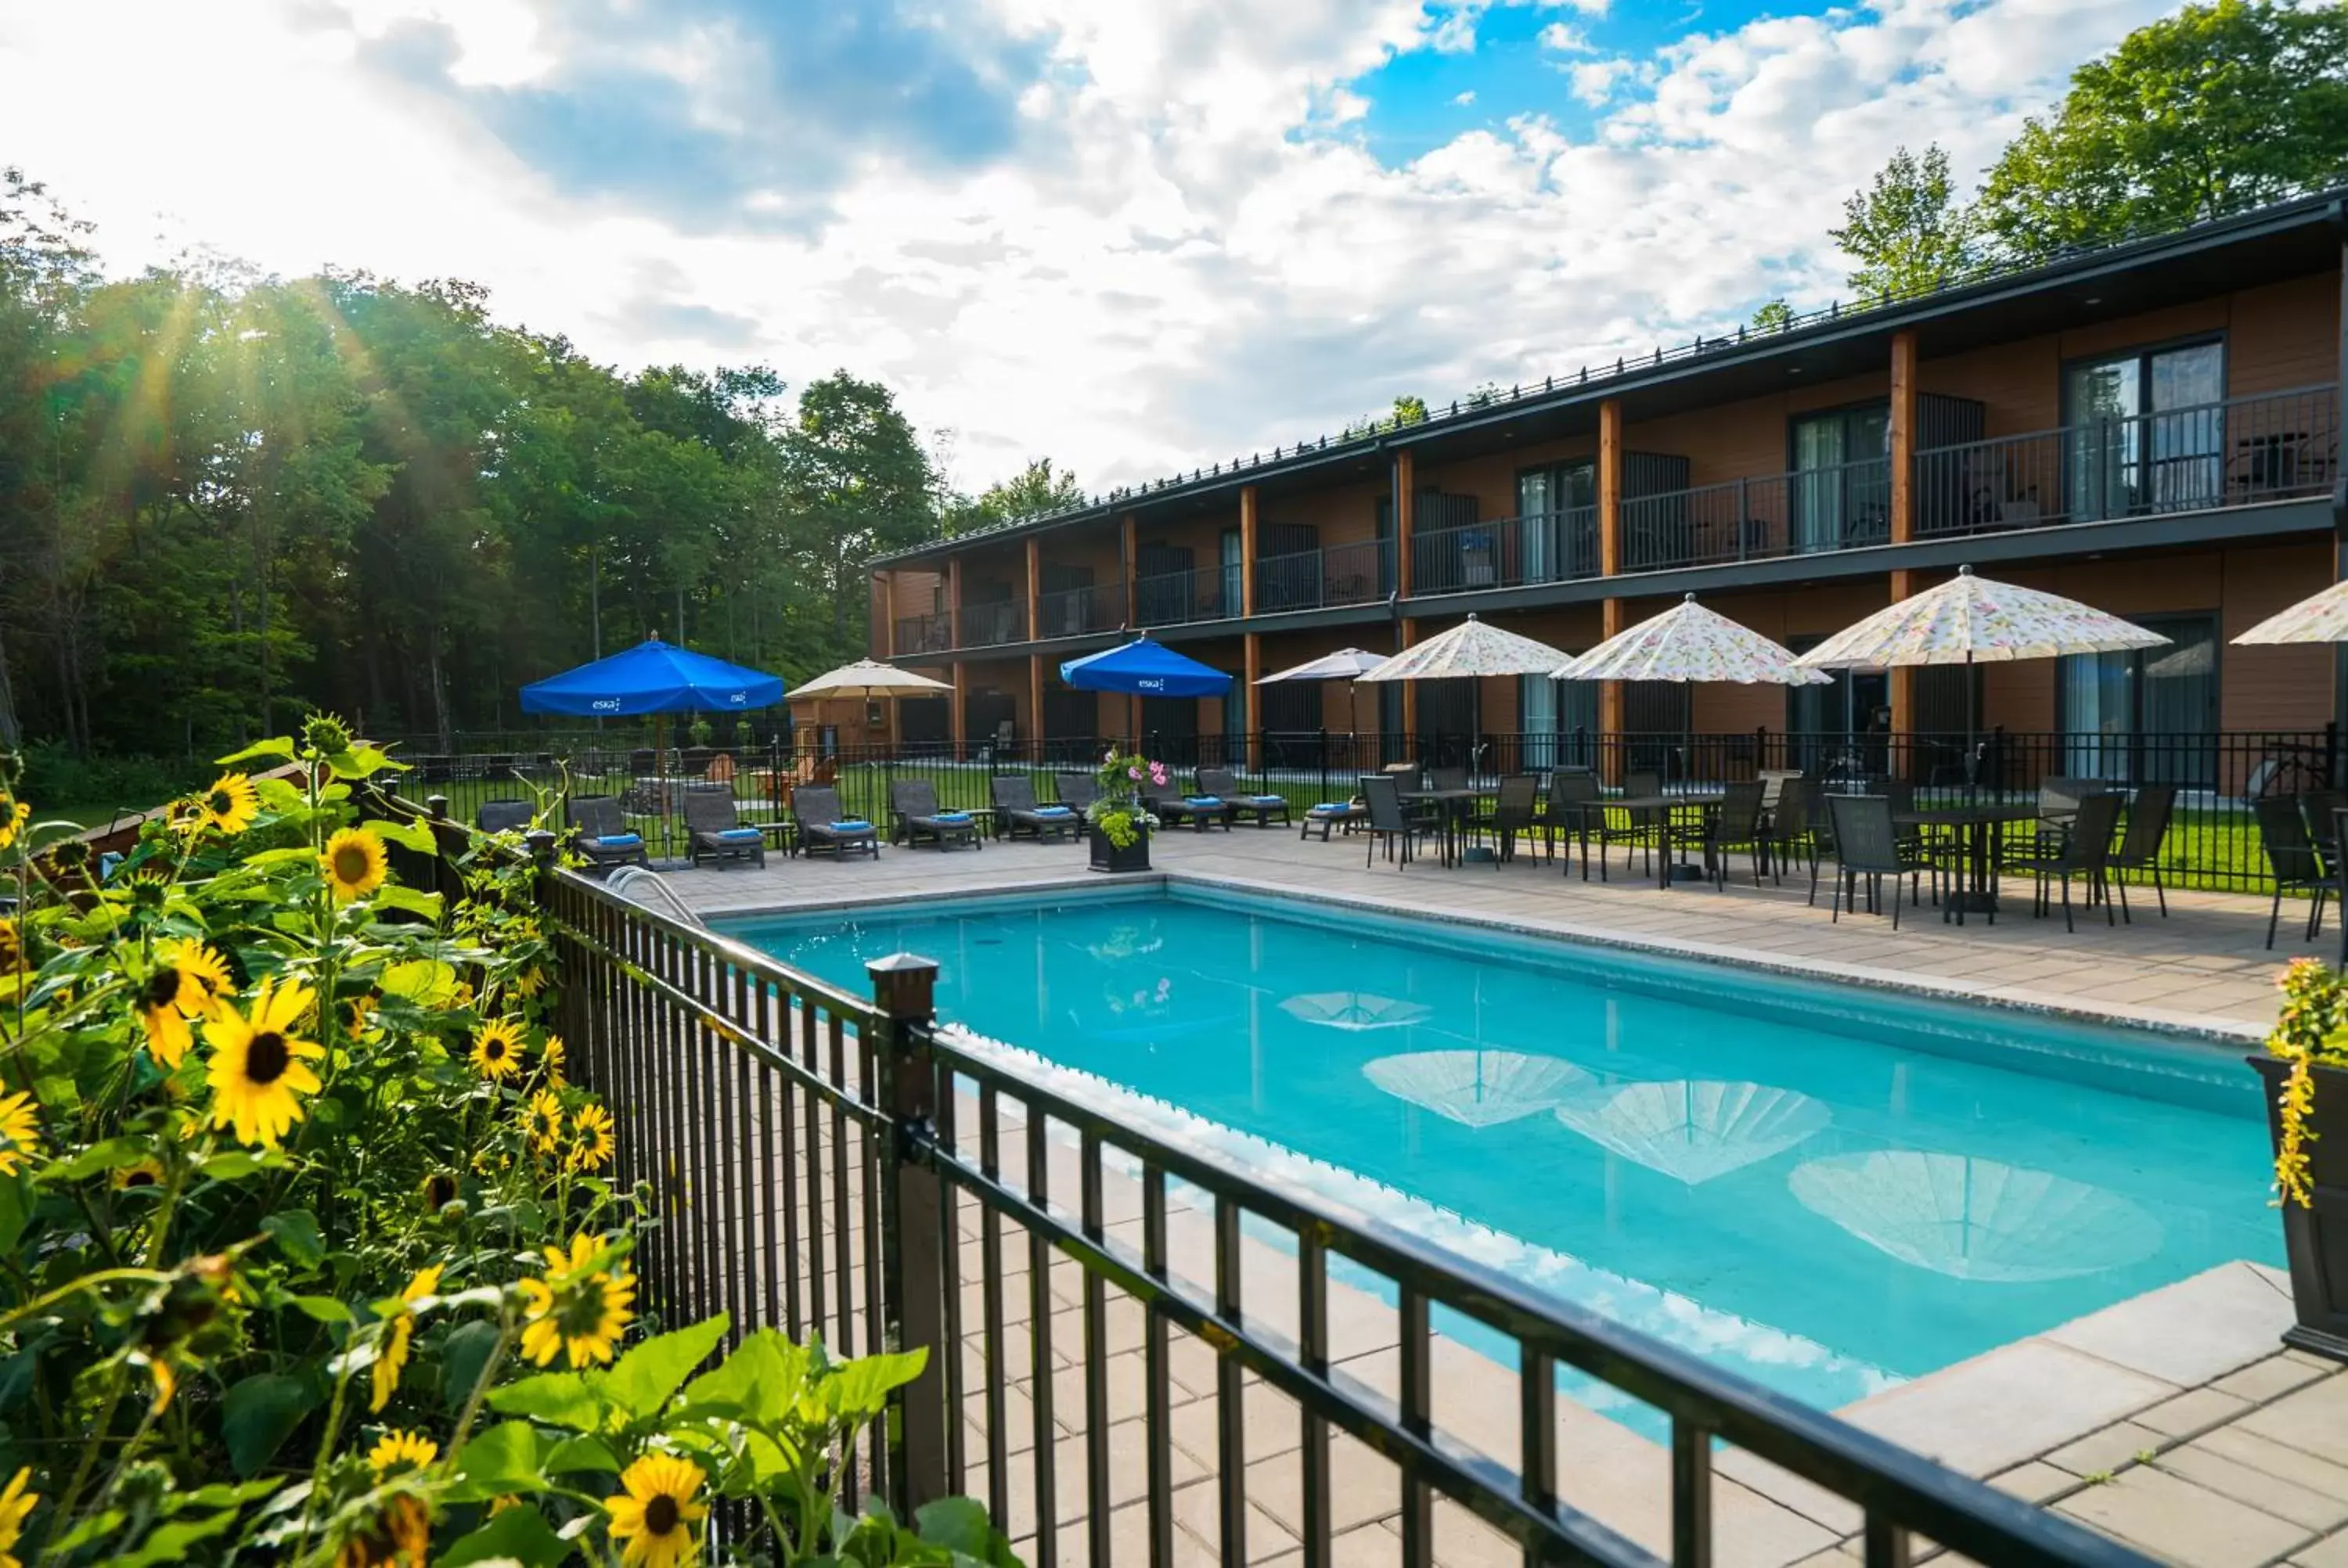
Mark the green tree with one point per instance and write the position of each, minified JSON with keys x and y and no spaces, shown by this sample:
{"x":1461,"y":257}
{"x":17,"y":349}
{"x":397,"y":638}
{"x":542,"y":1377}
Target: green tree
{"x":1906,"y":231}
{"x":856,"y":482}
{"x":1775,"y":316}
{"x":1035,"y":491}
{"x":2217,"y":106}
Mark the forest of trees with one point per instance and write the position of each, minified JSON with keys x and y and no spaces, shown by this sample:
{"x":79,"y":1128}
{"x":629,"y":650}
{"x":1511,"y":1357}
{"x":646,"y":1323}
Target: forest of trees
{"x":226,"y":500}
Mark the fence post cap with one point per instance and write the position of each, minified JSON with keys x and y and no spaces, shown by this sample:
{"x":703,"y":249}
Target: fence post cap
{"x":541,"y":844}
{"x":438,"y":804}
{"x":902,"y":983}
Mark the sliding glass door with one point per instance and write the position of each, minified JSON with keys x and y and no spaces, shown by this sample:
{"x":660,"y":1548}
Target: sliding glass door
{"x":2146,"y":432}
{"x":1842,"y":492}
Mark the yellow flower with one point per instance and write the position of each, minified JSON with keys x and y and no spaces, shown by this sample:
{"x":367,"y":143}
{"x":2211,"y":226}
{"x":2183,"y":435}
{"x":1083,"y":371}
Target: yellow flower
{"x":231,"y":805}
{"x":398,"y":1536}
{"x":398,"y":1326}
{"x":358,"y":1014}
{"x":187,"y":982}
{"x":15,"y":1507}
{"x":577,"y":1309}
{"x":591,"y":1138}
{"x":354,"y":863}
{"x":542,"y":1121}
{"x":146,"y":1172}
{"x":656,"y":1514}
{"x":550,"y":1057}
{"x":14,"y":815}
{"x":497,"y":1048}
{"x":257,"y":1073}
{"x":20,"y":1134}
{"x":11,"y":949}
{"x":402,"y":1451}
{"x":528,"y":982}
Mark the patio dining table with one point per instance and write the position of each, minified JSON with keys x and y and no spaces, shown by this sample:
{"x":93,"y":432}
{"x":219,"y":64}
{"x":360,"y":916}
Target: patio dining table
{"x":1700,"y":801}
{"x":1980,"y":831}
{"x":1453,"y":807}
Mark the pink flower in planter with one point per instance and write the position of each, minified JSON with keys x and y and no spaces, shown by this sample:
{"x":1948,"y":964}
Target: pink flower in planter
{"x":1158,"y":773}
{"x":1134,"y":773}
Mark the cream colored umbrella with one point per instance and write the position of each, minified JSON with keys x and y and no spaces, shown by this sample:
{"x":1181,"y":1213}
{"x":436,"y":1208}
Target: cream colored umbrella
{"x":2322,"y":618}
{"x":1471,"y":649}
{"x":1347,"y":664}
{"x":1689,"y":643}
{"x":870,"y":679}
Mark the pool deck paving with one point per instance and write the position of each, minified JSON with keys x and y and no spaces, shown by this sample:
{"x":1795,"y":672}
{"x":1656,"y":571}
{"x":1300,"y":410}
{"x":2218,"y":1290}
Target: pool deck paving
{"x":2175,"y":1421}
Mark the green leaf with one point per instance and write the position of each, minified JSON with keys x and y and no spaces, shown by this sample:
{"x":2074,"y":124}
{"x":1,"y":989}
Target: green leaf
{"x":518,"y":1535}
{"x":567,"y":1400}
{"x":392,"y":895}
{"x":111,"y":1156}
{"x":295,"y":1231}
{"x":502,"y":1460}
{"x":278,"y":746}
{"x":646,"y":1376}
{"x":279,"y":858}
{"x":170,"y":1543}
{"x":579,"y":1454}
{"x":427,"y":982}
{"x":323,"y":1308}
{"x":220,"y":1495}
{"x":957,"y":1523}
{"x":258,"y":1414}
{"x":415,"y":835}
{"x":280,"y":795}
{"x":231,"y":1165}
{"x":15,"y":1209}
{"x":760,"y":1383}
{"x":860,"y":1389}
{"x":462,"y":1356}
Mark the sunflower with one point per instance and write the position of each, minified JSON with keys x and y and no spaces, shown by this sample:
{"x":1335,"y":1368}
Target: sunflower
{"x":542,"y":1121}
{"x":20,"y":1134}
{"x":527,"y":983}
{"x":231,"y":805}
{"x":14,"y":815}
{"x":398,"y":1327}
{"x":656,"y":1514}
{"x":257,"y":1073}
{"x":591,"y":1138}
{"x":188,"y":979}
{"x":497,"y":1048}
{"x":15,"y":1507}
{"x":402,"y":1451}
{"x":398,"y":1536}
{"x":11,"y":949}
{"x":438,"y":1191}
{"x":550,"y":1058}
{"x":577,"y":1309}
{"x":358,"y":1014}
{"x":146,"y":1172}
{"x":354,"y":863}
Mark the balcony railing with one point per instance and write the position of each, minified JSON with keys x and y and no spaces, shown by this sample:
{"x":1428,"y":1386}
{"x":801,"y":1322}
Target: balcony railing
{"x":1081,"y":611}
{"x":1802,"y":513}
{"x":923,"y":634}
{"x":1335,"y":575}
{"x":1176,"y":599}
{"x":999,"y":621}
{"x":2237,"y":453}
{"x":1508,"y":552}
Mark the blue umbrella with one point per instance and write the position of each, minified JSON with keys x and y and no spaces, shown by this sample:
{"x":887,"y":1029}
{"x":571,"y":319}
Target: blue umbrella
{"x":1144,"y":668}
{"x":654,"y":677}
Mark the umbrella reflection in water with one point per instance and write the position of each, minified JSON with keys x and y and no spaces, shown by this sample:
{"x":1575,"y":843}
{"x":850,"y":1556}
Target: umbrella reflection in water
{"x":1355,"y":1010}
{"x":1694,"y":1130}
{"x":1477,"y":1088}
{"x":1976,"y":1219}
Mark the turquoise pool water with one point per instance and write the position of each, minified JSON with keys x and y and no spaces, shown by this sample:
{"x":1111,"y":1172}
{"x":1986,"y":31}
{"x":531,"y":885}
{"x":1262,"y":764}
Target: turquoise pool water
{"x":1829,"y":1189}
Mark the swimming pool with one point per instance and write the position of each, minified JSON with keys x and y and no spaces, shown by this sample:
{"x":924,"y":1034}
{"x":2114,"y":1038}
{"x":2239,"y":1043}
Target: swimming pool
{"x":1828,"y":1188}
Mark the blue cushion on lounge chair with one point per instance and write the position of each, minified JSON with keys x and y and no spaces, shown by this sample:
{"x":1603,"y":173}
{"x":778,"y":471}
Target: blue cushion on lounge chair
{"x":1329,"y":808}
{"x":1202,"y":800}
{"x":852,"y":824}
{"x":1054,"y":811}
{"x":621,"y":840}
{"x":738,"y":835}
{"x":1266,"y":799}
{"x":952,"y":818}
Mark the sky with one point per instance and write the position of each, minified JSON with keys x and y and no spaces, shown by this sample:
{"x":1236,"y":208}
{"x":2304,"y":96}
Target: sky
{"x":1135,"y":236}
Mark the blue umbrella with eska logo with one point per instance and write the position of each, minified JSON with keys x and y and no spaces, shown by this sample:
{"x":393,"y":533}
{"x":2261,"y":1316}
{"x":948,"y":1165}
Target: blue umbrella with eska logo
{"x":654,"y":677}
{"x":1144,"y":668}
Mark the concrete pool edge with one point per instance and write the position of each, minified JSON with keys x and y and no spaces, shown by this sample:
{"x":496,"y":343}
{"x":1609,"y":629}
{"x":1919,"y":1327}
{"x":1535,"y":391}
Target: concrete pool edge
{"x":2197,"y":1027}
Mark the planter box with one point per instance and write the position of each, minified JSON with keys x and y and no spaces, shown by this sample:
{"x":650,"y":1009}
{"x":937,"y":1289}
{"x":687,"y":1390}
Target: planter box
{"x":2316,"y":1237}
{"x":1134,"y":856}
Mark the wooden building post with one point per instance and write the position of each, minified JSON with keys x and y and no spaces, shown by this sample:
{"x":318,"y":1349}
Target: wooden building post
{"x":961,"y":694}
{"x":1035,"y":701}
{"x":1035,"y":588}
{"x":1253,"y":666}
{"x":1247,"y":550}
{"x":1610,"y":564}
{"x":1903,"y":459}
{"x":953,"y":603}
{"x":889,"y":614}
{"x":1405,"y":473}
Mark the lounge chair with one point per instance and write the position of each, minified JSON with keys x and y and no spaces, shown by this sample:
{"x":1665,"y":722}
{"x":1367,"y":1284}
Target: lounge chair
{"x":1218,"y":782}
{"x":503,"y":815}
{"x":1081,"y":791}
{"x":1329,"y":816}
{"x":1015,"y":811}
{"x":714,"y":830}
{"x":1174,"y":808}
{"x":914,"y":816}
{"x":602,"y":834}
{"x":824,"y":824}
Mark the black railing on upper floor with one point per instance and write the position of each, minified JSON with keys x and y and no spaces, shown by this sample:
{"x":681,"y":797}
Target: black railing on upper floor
{"x":1333,"y":576}
{"x":1080,"y":611}
{"x":1506,"y":552}
{"x":923,"y":634}
{"x":993,"y":623}
{"x":1176,"y":599}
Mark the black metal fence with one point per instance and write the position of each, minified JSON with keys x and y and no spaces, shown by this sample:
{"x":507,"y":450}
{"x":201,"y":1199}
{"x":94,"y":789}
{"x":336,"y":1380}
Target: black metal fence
{"x":1098,"y":1295}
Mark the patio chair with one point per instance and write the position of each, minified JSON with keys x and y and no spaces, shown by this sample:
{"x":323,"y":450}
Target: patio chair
{"x":914,"y":816}
{"x":2139,"y":850}
{"x":1515,"y":811}
{"x":715,"y":832}
{"x":1078,"y":790}
{"x":2291,"y":855}
{"x":2316,"y":808}
{"x":1638,"y":828}
{"x":1801,"y":827}
{"x":2058,"y":803}
{"x":1867,"y":843}
{"x":1389,"y":823}
{"x":1015,"y":811}
{"x":1573,"y":797}
{"x":1738,"y":824}
{"x":1447,"y":778}
{"x":504,"y":815}
{"x":1218,"y":782}
{"x":1174,"y":808}
{"x":602,"y":834}
{"x":2087,"y":851}
{"x":824,"y":824}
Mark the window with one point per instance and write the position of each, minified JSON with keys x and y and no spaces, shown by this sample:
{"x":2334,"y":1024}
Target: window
{"x":1558,"y":720}
{"x":2146,"y":432}
{"x":1558,"y":508}
{"x":1842,"y":478}
{"x":2145,"y":716}
{"x":1234,"y":564}
{"x":1235,"y":721}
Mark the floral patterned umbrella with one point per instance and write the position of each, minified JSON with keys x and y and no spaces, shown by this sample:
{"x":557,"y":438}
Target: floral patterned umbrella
{"x":1469,"y":649}
{"x":1970,"y":619}
{"x":1688,"y":642}
{"x":2322,"y":618}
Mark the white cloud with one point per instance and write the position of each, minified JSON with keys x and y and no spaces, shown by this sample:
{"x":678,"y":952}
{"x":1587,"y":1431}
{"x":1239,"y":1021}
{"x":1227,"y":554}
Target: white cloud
{"x":1189,"y":253}
{"x":1565,"y":38}
{"x":1464,"y":100}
